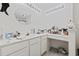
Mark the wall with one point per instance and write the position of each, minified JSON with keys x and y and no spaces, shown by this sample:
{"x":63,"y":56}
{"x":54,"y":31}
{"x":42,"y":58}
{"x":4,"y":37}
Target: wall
{"x":76,"y":21}
{"x":9,"y":23}
{"x":58,"y":18}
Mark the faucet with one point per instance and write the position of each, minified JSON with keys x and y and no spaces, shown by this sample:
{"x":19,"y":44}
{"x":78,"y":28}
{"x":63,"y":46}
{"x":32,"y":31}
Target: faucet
{"x":33,"y":31}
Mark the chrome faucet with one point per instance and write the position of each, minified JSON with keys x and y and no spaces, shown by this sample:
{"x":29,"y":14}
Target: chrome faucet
{"x":33,"y":31}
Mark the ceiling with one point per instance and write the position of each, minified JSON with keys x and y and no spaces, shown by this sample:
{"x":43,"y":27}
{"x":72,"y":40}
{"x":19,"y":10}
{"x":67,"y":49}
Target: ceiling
{"x":46,"y":6}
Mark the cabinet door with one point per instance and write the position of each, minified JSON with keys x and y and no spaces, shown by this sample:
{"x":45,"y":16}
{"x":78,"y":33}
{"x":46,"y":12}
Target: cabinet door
{"x":35,"y":47}
{"x":15,"y":49}
{"x":9,"y":49}
{"x":43,"y":44}
{"x":22,"y":52}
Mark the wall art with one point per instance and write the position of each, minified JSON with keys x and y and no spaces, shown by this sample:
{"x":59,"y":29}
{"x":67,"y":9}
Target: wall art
{"x":4,"y":8}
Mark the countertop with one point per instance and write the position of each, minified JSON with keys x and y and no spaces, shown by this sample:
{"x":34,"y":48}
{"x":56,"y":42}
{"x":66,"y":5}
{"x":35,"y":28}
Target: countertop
{"x":5,"y":42}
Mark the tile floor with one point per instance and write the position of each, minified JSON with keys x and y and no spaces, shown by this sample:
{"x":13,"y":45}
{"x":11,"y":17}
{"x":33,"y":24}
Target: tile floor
{"x":53,"y":54}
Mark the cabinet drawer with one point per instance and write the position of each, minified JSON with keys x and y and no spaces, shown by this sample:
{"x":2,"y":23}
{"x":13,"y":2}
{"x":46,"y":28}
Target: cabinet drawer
{"x":13,"y":48}
{"x":35,"y":40}
{"x":44,"y":37}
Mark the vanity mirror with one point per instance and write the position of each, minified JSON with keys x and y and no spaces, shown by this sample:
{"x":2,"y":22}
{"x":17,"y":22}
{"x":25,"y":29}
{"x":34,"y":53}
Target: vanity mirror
{"x":22,"y":16}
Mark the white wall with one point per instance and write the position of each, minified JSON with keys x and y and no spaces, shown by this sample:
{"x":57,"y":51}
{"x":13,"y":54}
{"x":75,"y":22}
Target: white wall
{"x":58,"y":18}
{"x":76,"y":21}
{"x":9,"y":23}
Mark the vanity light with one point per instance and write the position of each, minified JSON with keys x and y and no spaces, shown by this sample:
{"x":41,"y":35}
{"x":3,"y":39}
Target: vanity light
{"x":54,"y":9}
{"x":33,"y":7}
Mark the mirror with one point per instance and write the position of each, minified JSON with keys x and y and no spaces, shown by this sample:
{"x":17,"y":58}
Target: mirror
{"x":22,"y":15}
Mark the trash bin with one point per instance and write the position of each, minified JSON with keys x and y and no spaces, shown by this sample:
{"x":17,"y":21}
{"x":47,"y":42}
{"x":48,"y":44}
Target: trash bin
{"x":78,"y":51}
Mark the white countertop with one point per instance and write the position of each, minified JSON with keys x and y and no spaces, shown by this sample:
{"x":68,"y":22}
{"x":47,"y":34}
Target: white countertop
{"x":58,"y":37}
{"x":4,"y":42}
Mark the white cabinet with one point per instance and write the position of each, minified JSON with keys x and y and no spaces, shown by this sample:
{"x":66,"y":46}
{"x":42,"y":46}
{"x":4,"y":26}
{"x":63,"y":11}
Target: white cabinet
{"x":22,"y":52}
{"x":35,"y":47}
{"x":15,"y":49}
{"x":43,"y":44}
{"x":38,"y":46}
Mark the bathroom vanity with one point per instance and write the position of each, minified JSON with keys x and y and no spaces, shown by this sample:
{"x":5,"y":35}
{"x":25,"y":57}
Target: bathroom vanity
{"x":35,"y":45}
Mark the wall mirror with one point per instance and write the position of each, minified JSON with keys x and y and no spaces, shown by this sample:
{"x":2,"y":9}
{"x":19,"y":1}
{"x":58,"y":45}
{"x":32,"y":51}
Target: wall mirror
{"x":22,"y":16}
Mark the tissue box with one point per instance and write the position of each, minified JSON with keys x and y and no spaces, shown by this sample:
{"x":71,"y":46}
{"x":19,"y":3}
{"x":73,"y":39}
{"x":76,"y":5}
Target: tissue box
{"x":8,"y":35}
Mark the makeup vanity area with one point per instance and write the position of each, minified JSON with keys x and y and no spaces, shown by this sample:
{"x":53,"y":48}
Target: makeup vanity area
{"x":70,"y":39}
{"x":35,"y":44}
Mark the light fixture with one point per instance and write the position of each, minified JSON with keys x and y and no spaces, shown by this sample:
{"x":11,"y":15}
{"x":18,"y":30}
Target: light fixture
{"x":54,"y":9}
{"x":34,"y":7}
